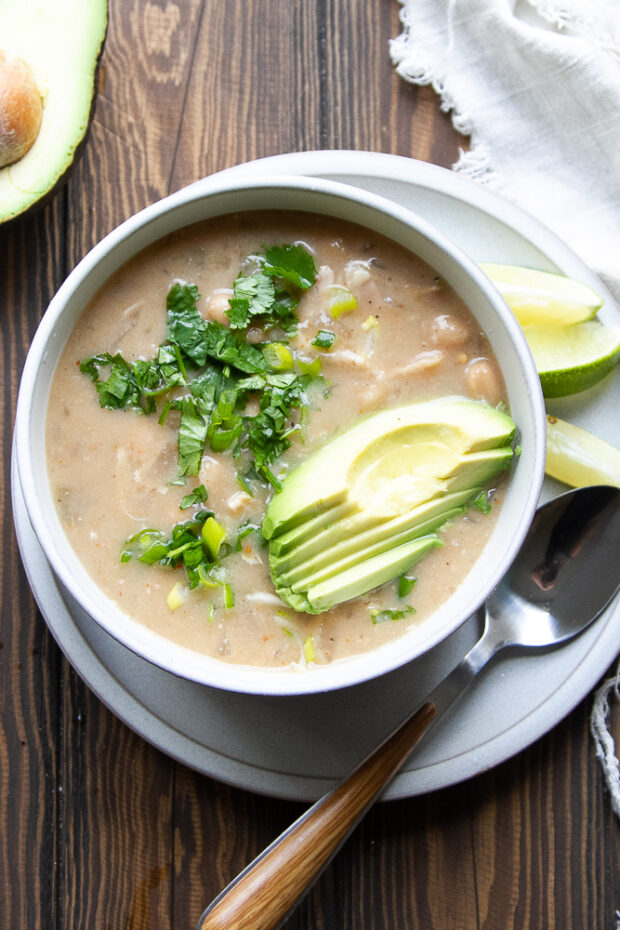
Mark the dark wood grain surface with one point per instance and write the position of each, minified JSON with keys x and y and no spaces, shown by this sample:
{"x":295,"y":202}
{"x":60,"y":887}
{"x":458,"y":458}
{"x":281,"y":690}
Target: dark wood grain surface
{"x":99,"y":830}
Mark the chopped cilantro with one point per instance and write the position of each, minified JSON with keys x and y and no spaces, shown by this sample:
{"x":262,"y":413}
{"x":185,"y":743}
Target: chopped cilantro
{"x":324,"y":339}
{"x":379,"y":616}
{"x":121,"y":388}
{"x":481,"y":502}
{"x":197,"y":496}
{"x":206,"y":372}
{"x":292,"y":263}
{"x":197,"y":545}
{"x":269,"y":296}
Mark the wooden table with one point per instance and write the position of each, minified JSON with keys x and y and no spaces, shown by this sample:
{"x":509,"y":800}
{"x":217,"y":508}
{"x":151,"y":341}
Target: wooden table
{"x":100,"y":831}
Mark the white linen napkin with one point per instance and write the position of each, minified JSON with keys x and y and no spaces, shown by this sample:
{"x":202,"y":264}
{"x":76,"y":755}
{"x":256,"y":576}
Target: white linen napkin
{"x":536,"y":85}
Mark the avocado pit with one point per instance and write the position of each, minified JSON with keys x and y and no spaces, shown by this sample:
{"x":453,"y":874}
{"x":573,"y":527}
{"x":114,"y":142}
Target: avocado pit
{"x":21,"y":108}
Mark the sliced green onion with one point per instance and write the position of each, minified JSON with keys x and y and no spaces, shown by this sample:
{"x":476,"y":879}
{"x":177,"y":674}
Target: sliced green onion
{"x":371,"y":322}
{"x":307,"y":367}
{"x":206,"y":578}
{"x":229,"y":596}
{"x":405,"y":584}
{"x":340,"y":300}
{"x":213,"y":534}
{"x":278,"y":356}
{"x":309,"y":650}
{"x":176,"y":596}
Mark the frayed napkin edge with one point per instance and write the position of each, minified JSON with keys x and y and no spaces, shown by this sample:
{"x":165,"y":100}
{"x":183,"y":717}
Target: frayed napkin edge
{"x":475,"y":163}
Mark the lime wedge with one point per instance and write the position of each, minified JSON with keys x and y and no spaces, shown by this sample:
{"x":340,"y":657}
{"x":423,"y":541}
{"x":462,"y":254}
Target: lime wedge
{"x":570,"y":359}
{"x":578,"y":458}
{"x":540,"y":298}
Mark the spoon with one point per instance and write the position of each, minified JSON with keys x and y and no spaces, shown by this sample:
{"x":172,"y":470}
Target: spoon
{"x":565,"y":574}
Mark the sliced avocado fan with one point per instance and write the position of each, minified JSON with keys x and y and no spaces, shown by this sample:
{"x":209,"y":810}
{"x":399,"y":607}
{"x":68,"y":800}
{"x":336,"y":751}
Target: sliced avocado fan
{"x":366,"y":506}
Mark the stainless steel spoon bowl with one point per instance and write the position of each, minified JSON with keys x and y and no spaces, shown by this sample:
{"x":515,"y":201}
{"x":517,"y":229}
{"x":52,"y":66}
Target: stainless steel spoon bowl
{"x":565,"y":574}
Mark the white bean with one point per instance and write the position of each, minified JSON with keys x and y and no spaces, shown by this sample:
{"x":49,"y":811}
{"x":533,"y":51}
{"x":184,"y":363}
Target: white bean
{"x":482,"y":382}
{"x":217,"y":304}
{"x":448,"y":330}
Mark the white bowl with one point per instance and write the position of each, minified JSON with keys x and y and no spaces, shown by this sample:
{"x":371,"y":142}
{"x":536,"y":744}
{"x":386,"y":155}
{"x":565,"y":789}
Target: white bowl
{"x":218,"y":196}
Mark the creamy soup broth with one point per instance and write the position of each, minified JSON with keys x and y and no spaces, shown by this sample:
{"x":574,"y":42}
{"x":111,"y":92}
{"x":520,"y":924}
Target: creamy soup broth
{"x":111,"y":471}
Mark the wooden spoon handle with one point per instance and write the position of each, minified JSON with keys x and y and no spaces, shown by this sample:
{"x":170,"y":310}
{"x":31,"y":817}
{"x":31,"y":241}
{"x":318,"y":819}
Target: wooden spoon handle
{"x":264,"y":893}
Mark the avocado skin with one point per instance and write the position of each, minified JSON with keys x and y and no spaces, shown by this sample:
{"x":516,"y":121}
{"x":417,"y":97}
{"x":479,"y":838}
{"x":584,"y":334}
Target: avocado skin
{"x":33,"y":197}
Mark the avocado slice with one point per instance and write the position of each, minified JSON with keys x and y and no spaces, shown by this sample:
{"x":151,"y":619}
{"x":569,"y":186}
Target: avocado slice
{"x":355,"y":533}
{"x":61,"y":43}
{"x":324,"y":480}
{"x":374,"y":491}
{"x":305,"y":575}
{"x":364,"y":576}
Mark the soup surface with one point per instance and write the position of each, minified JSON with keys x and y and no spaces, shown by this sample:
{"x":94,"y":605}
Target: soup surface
{"x":408,"y":337}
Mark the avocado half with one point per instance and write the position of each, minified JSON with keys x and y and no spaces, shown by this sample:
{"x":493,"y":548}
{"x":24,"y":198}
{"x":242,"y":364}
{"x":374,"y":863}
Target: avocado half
{"x":366,"y":506}
{"x":61,"y":43}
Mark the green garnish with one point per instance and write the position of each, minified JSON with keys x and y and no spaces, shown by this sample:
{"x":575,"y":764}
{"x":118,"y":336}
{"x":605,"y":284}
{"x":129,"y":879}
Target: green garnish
{"x":183,"y":546}
{"x":278,"y":356}
{"x":244,"y":530}
{"x":206,"y":371}
{"x":292,"y":263}
{"x":213,"y":535}
{"x":341,"y":300}
{"x":311,"y":368}
{"x":379,"y":616}
{"x":197,"y":546}
{"x":481,"y":502}
{"x":197,"y":496}
{"x":229,"y":596}
{"x":405,"y":585}
{"x":269,"y":296}
{"x":324,"y":339}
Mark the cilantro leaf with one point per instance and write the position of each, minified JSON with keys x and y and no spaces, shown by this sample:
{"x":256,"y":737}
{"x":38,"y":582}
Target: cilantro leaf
{"x":121,"y":388}
{"x":292,"y":263}
{"x":253,"y":296}
{"x":193,"y":428}
{"x":379,"y":616}
{"x":221,"y":344}
{"x":324,"y":339}
{"x":185,"y":327}
{"x":197,"y":496}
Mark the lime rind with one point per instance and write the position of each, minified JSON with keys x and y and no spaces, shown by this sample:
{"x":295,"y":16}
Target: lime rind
{"x":542,"y":297}
{"x":578,"y":458}
{"x":571,"y":359}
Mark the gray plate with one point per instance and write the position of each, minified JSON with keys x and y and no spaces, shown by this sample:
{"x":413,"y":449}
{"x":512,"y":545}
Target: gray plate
{"x":297,"y":747}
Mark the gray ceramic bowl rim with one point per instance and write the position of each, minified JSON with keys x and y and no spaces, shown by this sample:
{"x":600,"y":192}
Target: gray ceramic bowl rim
{"x":358,"y":206}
